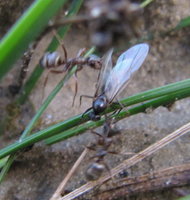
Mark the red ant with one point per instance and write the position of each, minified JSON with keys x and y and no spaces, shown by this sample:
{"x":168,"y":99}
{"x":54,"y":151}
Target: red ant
{"x":54,"y":60}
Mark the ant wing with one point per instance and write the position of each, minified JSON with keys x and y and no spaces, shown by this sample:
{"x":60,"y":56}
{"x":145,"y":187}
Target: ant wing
{"x":128,"y":63}
{"x":104,"y":72}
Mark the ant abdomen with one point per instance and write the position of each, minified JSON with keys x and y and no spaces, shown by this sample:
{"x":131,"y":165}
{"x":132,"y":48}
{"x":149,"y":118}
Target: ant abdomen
{"x":51,"y":60}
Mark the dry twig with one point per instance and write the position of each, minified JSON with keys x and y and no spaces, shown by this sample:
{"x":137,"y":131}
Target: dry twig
{"x":129,"y":162}
{"x":158,"y":180}
{"x":60,"y":189}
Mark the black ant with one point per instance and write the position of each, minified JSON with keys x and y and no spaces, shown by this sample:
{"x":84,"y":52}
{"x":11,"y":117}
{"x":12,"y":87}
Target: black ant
{"x":101,"y":147}
{"x":113,"y":80}
{"x":54,"y":60}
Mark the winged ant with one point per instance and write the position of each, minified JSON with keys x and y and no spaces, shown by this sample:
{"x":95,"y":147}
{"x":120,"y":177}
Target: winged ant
{"x":114,"y":80}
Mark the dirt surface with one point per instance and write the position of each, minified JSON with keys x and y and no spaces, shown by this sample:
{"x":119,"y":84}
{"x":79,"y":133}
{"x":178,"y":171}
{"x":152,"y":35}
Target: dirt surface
{"x":37,"y":173}
{"x":10,"y":11}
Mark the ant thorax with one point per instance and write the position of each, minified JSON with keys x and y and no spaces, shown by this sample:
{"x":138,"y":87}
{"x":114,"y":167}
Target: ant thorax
{"x":100,"y":104}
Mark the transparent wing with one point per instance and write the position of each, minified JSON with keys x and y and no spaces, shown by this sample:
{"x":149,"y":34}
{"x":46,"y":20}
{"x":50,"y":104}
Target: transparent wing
{"x":104,"y":73}
{"x":128,"y":63}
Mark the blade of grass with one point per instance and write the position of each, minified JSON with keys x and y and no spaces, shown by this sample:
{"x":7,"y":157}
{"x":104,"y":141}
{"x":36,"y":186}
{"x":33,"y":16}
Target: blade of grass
{"x":145,"y":3}
{"x":184,"y":198}
{"x":77,"y":120}
{"x":25,"y":30}
{"x":7,"y":166}
{"x":183,"y":23}
{"x":32,"y":123}
{"x":31,"y":82}
{"x":164,"y":100}
{"x":3,"y":161}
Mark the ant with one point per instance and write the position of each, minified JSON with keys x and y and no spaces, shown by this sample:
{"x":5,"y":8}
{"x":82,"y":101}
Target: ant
{"x":111,"y":81}
{"x":101,"y":148}
{"x":53,"y":60}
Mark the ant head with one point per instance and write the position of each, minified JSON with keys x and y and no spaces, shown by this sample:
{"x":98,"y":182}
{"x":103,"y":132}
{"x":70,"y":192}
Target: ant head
{"x":94,"y":61}
{"x":94,"y":117}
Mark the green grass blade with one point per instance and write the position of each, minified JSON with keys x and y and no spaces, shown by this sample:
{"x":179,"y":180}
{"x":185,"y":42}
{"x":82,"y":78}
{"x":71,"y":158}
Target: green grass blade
{"x":3,"y":161}
{"x":183,"y":23}
{"x":145,"y":3}
{"x":7,"y":166}
{"x":26,"y":30}
{"x":170,"y":95}
{"x":31,"y":82}
{"x":184,"y":198}
{"x":164,"y":100}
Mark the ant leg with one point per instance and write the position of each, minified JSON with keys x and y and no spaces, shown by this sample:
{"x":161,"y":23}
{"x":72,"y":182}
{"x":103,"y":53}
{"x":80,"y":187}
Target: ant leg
{"x":91,"y":148}
{"x":76,"y":88}
{"x":65,"y":52}
{"x":62,"y":45}
{"x":116,"y":112}
{"x":96,"y":133}
{"x":119,"y":110}
{"x":86,"y":96}
{"x":46,"y":79}
{"x":57,"y":71}
{"x":122,"y":106}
